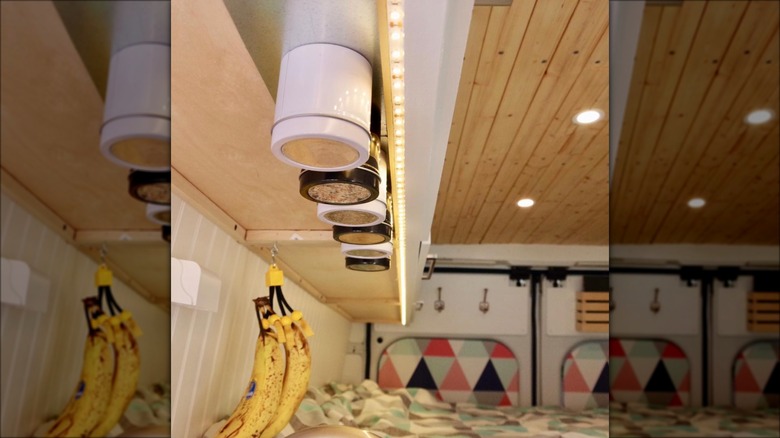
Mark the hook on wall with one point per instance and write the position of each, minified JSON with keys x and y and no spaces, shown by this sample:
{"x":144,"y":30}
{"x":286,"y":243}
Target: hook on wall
{"x":655,"y":305}
{"x":274,"y":252}
{"x":103,"y":252}
{"x":484,"y":306}
{"x":438,"y":305}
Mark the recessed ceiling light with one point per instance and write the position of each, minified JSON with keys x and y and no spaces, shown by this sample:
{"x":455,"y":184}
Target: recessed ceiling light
{"x":525,"y":202}
{"x":759,"y":117}
{"x":587,"y":117}
{"x":696,"y":203}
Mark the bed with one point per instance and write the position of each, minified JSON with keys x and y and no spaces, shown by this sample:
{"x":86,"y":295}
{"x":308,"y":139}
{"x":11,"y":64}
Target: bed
{"x":650,"y":392}
{"x":430,"y":387}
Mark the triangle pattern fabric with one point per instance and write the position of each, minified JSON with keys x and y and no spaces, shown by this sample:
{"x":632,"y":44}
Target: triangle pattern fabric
{"x":439,"y":367}
{"x":422,"y":377}
{"x":388,"y":376}
{"x":574,"y":382}
{"x":744,"y":380}
{"x":439,"y":347}
{"x":455,"y":379}
{"x":660,"y":380}
{"x":602,"y":384}
{"x":772,"y":385}
{"x":489,"y":380}
{"x":652,"y":370}
{"x":502,"y":351}
{"x":455,"y":370}
{"x":583,"y":368}
{"x":626,"y":380}
{"x":756,"y":378}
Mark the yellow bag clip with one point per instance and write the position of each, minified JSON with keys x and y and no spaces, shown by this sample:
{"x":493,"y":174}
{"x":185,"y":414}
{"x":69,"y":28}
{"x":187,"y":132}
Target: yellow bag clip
{"x":103,"y":276}
{"x":274,"y":276}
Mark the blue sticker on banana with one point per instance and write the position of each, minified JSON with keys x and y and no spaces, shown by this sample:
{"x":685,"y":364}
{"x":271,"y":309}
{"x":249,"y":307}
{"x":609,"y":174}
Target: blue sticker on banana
{"x":251,"y":391}
{"x":80,"y":390}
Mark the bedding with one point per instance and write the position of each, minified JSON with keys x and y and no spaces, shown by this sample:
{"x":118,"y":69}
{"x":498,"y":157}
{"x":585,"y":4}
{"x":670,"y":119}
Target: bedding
{"x":417,"y":412}
{"x":642,"y":420}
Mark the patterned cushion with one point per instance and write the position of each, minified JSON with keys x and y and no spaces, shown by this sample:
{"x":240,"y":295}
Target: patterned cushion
{"x":651,"y":371}
{"x":585,"y":376}
{"x":456,"y":370}
{"x":757,"y":376}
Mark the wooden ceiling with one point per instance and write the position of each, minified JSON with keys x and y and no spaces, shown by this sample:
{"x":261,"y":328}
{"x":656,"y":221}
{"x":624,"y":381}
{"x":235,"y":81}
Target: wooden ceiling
{"x":51,"y":164}
{"x":700,"y":68}
{"x":529,"y":68}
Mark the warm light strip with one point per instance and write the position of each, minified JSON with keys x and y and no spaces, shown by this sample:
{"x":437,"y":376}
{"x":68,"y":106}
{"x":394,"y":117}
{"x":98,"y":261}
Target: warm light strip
{"x":396,"y":134}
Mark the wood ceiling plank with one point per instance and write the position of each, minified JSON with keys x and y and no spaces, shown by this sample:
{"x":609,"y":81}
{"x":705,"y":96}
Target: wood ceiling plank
{"x":590,"y":193}
{"x":534,"y":92}
{"x":741,"y":184}
{"x":713,"y":37}
{"x":51,"y":118}
{"x":577,"y":169}
{"x":738,"y":79}
{"x":671,"y":46}
{"x":499,"y":51}
{"x":561,"y":138}
{"x":478,"y":27}
{"x":734,"y":146}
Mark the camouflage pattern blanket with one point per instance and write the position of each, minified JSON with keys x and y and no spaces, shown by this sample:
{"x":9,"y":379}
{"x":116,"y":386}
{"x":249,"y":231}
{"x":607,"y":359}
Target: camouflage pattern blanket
{"x":414,"y":412}
{"x":640,"y":420}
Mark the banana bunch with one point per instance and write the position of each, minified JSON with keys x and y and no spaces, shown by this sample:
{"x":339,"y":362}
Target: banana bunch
{"x":275,"y":388}
{"x":89,"y":402}
{"x":106,"y":386}
{"x":127,"y":366}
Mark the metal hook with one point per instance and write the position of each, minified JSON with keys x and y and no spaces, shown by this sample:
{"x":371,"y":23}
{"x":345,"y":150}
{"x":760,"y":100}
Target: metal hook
{"x":274,"y":252}
{"x":103,"y":251}
{"x":655,"y":305}
{"x":484,"y":306}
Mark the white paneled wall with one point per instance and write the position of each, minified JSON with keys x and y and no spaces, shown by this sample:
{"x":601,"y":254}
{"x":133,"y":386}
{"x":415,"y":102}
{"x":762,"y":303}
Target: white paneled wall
{"x":212,"y":352}
{"x":42,"y":352}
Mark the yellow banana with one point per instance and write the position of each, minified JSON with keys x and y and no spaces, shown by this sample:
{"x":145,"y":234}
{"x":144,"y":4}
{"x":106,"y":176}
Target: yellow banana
{"x":127,"y":365}
{"x":296,"y":381}
{"x":90,"y":400}
{"x":261,"y":399}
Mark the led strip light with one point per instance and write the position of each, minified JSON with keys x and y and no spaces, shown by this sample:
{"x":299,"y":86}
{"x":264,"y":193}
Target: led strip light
{"x":395,"y":40}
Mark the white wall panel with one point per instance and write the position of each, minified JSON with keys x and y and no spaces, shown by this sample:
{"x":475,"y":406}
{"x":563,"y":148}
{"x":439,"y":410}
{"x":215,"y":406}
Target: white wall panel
{"x":679,"y":319}
{"x":212,"y":352}
{"x":42,"y":352}
{"x":559,"y":334}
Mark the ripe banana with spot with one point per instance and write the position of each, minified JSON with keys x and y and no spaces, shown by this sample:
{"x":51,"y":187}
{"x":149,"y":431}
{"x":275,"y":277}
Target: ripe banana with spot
{"x":296,"y":380}
{"x":261,"y":399}
{"x":127,"y":365}
{"x":89,"y":402}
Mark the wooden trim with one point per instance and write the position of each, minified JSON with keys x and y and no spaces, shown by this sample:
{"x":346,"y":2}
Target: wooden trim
{"x":349,"y":300}
{"x":28,"y":201}
{"x":376,"y":321}
{"x":183,"y":188}
{"x":87,"y":237}
{"x":254,"y":237}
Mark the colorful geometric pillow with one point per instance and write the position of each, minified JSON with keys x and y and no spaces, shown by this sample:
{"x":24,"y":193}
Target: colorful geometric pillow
{"x":651,"y":371}
{"x":756,"y":375}
{"x":456,"y":370}
{"x":585,"y":376}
